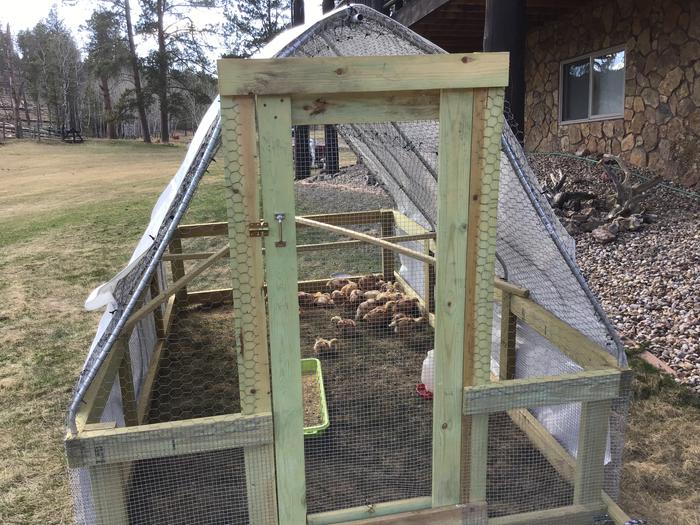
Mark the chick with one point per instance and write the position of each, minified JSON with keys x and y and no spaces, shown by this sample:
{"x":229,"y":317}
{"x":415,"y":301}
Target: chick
{"x":337,"y":283}
{"x":379,"y":316}
{"x":365,"y":308}
{"x":305,"y":299}
{"x":322,"y":300}
{"x":338,"y":297}
{"x":385,"y":297}
{"x":344,"y":327}
{"x":348,"y":288}
{"x":369,"y":282}
{"x":325,"y":346}
{"x":372,"y":294}
{"x":409,"y":306}
{"x":406,"y":327}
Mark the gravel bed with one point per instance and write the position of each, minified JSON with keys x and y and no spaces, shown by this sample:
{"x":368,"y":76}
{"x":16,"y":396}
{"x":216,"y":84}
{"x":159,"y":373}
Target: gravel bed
{"x":648,"y":281}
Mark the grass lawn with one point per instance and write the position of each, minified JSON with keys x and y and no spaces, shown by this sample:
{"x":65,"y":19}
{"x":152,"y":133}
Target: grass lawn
{"x":70,"y":216}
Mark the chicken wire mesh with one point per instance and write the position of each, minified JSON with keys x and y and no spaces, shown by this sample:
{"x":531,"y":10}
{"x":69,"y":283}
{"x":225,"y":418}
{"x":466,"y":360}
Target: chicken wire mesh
{"x":378,"y":445}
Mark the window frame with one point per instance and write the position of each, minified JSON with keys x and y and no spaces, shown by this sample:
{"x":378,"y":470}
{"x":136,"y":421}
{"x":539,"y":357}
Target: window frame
{"x":590,"y":57}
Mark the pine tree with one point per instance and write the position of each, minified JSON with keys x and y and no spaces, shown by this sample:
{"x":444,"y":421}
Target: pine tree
{"x":249,"y":25}
{"x":107,"y":53}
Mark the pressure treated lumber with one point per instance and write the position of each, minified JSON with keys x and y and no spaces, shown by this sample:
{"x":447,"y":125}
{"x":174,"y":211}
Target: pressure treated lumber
{"x":569,"y":340}
{"x":173,"y":288}
{"x":558,"y":456}
{"x":590,"y":456}
{"x":146,"y":394}
{"x":592,"y":385}
{"x":305,"y":221}
{"x":249,"y":323}
{"x":274,"y":123}
{"x":467,"y":514}
{"x":450,"y":298}
{"x":569,"y":515}
{"x":365,"y":108}
{"x":159,"y":440}
{"x":368,"y":511}
{"x":280,"y":76}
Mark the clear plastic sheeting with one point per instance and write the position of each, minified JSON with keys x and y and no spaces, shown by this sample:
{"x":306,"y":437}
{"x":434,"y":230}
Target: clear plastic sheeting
{"x":209,"y":486}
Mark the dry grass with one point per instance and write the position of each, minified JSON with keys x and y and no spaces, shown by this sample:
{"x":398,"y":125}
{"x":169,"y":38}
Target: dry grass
{"x":60,"y":237}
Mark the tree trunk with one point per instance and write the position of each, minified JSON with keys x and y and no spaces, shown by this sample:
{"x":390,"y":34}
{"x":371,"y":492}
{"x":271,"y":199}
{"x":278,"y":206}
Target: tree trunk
{"x":504,"y":30}
{"x":162,"y":74}
{"x":140,"y":103}
{"x":13,"y":84}
{"x":328,"y":5}
{"x":302,"y":153}
{"x":107,"y":100}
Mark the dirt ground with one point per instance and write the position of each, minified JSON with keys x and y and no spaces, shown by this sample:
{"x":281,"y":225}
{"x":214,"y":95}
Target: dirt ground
{"x":379,"y":443}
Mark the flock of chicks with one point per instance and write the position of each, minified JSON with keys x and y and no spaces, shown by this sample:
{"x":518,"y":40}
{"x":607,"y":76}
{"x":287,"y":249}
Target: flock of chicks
{"x":377,"y":304}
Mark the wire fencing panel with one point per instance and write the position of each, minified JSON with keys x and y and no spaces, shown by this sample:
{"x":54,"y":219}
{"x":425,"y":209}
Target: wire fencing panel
{"x":371,"y":334}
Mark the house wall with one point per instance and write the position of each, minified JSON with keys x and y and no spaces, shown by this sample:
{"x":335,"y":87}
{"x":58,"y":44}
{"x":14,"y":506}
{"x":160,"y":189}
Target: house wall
{"x":661,"y":124}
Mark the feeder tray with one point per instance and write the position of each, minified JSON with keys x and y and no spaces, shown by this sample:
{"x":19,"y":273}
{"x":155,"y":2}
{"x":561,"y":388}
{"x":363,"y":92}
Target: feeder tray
{"x":315,"y":407}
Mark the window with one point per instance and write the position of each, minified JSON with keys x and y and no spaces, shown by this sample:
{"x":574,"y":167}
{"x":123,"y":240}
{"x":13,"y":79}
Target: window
{"x":593,"y":87}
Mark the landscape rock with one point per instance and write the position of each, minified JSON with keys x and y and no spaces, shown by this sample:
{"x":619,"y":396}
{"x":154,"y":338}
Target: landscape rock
{"x":603,"y":234}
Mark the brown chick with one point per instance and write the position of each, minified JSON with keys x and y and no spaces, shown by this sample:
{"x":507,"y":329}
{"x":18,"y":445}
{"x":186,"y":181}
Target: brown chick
{"x":406,"y":327}
{"x":325,"y":346}
{"x":379,"y":317}
{"x":344,"y":327}
{"x":385,"y":297}
{"x":338,"y":297}
{"x":365,"y":308}
{"x":409,"y":306}
{"x":305,"y":299}
{"x":337,"y":283}
{"x":322,"y":300}
{"x":348,"y":288}
{"x":372,"y":294}
{"x":369,"y":282}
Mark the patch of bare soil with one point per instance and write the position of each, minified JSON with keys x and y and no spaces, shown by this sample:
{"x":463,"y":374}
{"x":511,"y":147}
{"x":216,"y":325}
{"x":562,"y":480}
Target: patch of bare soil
{"x":648,"y":280}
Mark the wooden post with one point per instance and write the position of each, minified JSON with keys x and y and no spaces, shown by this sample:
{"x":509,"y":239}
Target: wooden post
{"x":240,"y":149}
{"x":483,"y":207}
{"x":108,"y":488}
{"x":274,"y":116}
{"x":450,"y":301}
{"x":178,"y":269}
{"x":508,"y":329}
{"x":126,"y":386}
{"x":157,"y":313}
{"x":388,"y":256}
{"x":592,"y":439}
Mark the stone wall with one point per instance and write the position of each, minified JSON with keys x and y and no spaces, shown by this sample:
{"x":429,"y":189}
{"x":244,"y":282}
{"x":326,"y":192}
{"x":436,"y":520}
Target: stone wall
{"x":661,"y":124}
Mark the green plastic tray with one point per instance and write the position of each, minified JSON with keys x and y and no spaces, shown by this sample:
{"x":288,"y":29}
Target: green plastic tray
{"x":312,"y":365}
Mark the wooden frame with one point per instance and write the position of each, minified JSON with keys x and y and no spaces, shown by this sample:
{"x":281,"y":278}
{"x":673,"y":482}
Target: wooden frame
{"x":263,"y":99}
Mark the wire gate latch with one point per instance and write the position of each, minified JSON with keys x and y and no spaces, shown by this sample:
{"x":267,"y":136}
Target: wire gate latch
{"x":258,"y":229}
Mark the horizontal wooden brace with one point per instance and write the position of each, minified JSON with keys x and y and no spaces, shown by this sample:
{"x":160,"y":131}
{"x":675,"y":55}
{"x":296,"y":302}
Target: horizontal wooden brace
{"x":194,"y":256}
{"x":567,"y":338}
{"x":305,"y":221}
{"x":591,"y":385}
{"x":327,"y":75}
{"x":368,"y":511}
{"x":177,"y":285}
{"x":208,"y":229}
{"x":223,"y":295}
{"x":569,"y":515}
{"x":127,"y":444}
{"x":365,"y":108}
